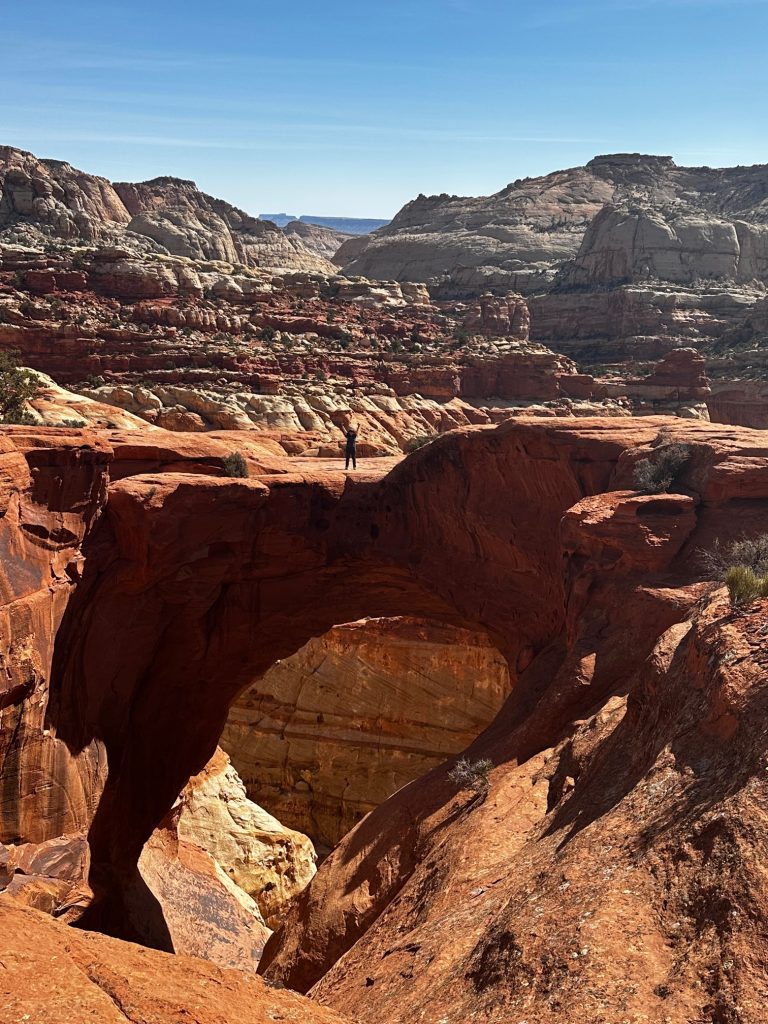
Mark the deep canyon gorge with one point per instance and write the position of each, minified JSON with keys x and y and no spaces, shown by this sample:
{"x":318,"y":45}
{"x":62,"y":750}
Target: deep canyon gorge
{"x":234,"y":701}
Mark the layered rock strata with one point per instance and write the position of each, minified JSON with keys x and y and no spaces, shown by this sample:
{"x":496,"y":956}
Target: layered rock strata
{"x":329,"y":733}
{"x":623,"y":259}
{"x":191,"y":347}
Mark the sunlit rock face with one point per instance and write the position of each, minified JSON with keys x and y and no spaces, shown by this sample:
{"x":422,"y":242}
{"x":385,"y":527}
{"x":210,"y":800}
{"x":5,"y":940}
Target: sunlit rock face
{"x":266,"y":860}
{"x":329,"y":733}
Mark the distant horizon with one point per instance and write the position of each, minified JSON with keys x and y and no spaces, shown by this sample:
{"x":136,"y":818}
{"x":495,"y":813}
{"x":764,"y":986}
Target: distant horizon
{"x":261,"y":215}
{"x":362,"y":107}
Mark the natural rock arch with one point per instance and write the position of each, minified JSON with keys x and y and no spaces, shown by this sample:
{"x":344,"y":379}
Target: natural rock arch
{"x":194,"y":586}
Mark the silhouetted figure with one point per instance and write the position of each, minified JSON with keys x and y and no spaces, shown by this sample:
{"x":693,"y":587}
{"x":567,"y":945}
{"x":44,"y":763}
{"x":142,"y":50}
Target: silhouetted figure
{"x":350,"y":451}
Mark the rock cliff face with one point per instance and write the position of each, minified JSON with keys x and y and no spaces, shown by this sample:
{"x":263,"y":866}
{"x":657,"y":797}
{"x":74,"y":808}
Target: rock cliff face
{"x":619,"y":218}
{"x":267,"y":861}
{"x":329,"y":733}
{"x":49,"y":199}
{"x":621,"y":260}
{"x":619,"y":872}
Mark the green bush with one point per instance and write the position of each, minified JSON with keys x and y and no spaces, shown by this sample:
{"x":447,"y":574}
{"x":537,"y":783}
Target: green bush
{"x":73,"y":423}
{"x":17,"y":386}
{"x":658,"y":474}
{"x":742,"y":565}
{"x":235,"y":465}
{"x":744,"y":586}
{"x":474,"y":775}
{"x":418,"y":442}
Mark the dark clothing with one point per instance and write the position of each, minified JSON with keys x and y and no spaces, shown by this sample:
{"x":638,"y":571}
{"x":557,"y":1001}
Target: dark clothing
{"x":350,"y":451}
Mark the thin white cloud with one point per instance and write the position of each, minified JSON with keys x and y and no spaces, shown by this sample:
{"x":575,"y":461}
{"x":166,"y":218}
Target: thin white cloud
{"x":198,"y":142}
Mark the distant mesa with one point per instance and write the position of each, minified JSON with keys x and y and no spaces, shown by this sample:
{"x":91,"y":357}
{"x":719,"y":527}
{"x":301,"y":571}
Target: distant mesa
{"x":346,"y":225}
{"x":281,"y":219}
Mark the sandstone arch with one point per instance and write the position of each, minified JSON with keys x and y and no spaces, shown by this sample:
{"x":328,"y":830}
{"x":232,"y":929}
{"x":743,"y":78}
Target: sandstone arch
{"x":192,"y":585}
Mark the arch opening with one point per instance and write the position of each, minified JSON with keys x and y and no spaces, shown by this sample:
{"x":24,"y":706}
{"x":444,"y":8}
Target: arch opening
{"x":332,"y":731}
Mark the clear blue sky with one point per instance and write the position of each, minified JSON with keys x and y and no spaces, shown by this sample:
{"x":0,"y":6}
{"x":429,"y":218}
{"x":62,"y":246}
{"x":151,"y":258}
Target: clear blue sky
{"x":353,"y":108}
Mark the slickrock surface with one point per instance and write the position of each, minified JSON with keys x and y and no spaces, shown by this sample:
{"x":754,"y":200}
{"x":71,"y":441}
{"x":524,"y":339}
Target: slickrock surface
{"x":329,"y":733}
{"x":621,"y":217}
{"x":616,"y":868}
{"x":193,"y":905}
{"x":51,"y":974}
{"x":324,"y":241}
{"x":619,"y":875}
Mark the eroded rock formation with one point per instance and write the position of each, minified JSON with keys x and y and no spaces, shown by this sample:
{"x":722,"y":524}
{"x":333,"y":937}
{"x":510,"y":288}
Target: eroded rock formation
{"x":230,"y":322}
{"x":619,"y":218}
{"x":53,"y":974}
{"x":189,"y":347}
{"x":49,"y":199}
{"x":617,"y":859}
{"x":269,"y":862}
{"x":622,"y":259}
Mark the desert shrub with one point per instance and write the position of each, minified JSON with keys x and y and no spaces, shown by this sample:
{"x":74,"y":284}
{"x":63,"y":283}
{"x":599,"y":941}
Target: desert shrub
{"x":73,"y":423}
{"x":658,"y":474}
{"x":474,"y":775}
{"x":235,"y":465}
{"x":748,"y":552}
{"x":742,"y":565}
{"x":418,"y":442}
{"x":744,"y":586}
{"x":19,"y":418}
{"x":17,"y":386}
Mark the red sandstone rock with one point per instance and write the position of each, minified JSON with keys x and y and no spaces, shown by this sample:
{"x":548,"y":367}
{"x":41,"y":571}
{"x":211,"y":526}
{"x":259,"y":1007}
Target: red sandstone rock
{"x":52,"y":974}
{"x":189,"y":586}
{"x":504,"y":317}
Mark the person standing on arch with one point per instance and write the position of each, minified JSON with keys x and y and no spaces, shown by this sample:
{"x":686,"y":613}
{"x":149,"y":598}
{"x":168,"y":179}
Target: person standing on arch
{"x":350,"y":451}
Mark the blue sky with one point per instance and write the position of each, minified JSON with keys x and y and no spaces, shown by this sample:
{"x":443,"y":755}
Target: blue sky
{"x":354,"y":108}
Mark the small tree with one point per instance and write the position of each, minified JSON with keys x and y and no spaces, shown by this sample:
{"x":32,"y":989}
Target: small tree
{"x":235,"y":465}
{"x":474,"y":775}
{"x":17,"y":386}
{"x":658,"y":474}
